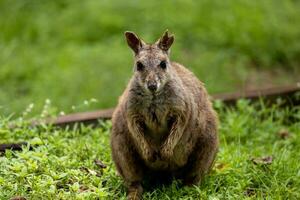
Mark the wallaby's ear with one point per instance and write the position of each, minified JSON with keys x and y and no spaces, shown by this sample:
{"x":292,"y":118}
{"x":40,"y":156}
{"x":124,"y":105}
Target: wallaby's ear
{"x":165,"y":41}
{"x":133,"y":41}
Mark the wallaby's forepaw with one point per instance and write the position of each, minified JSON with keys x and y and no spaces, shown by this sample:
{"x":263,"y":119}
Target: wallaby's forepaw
{"x":166,"y":153}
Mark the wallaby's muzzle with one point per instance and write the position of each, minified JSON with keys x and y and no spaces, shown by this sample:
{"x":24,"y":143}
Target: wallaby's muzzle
{"x":152,"y":86}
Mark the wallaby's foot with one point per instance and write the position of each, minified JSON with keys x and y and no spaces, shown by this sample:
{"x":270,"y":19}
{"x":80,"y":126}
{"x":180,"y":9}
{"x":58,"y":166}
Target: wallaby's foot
{"x":166,"y":153}
{"x":190,"y":181}
{"x":135,"y":191}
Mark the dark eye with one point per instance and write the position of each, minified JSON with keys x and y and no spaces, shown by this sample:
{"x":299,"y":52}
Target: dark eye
{"x":163,"y":64}
{"x":140,"y":66}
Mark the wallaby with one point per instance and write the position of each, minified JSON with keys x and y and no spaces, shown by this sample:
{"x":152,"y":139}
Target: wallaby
{"x":164,"y":122}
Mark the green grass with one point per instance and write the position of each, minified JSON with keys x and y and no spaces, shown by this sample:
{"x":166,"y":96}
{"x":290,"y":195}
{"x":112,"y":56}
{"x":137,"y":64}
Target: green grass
{"x":54,"y":168}
{"x":69,"y":51}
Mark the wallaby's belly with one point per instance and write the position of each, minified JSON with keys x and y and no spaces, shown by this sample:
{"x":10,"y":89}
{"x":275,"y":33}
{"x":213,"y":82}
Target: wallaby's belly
{"x":158,"y":164}
{"x":157,"y":136}
{"x":178,"y":160}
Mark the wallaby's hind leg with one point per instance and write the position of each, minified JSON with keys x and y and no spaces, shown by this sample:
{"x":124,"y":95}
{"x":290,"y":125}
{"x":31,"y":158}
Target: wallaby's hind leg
{"x":201,"y":159}
{"x":128,"y":165}
{"x":198,"y":166}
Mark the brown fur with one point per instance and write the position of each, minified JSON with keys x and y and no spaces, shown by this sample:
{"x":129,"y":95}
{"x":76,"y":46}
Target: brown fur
{"x":172,"y":130}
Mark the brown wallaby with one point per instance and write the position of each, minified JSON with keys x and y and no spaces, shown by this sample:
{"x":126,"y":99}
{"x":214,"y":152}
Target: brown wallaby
{"x":164,"y":122}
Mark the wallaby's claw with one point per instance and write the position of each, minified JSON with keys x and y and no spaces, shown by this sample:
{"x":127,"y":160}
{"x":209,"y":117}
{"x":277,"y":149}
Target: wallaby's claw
{"x":166,"y":153}
{"x":151,"y":156}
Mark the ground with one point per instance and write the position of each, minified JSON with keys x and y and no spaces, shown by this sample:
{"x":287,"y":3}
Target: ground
{"x":69,"y":51}
{"x":258,"y":159}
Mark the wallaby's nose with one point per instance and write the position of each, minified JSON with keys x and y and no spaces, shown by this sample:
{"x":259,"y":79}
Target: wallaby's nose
{"x":152,"y":86}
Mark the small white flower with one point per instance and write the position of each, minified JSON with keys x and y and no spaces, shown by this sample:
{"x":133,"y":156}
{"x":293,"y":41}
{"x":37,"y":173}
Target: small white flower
{"x":45,"y":112}
{"x":62,"y":113}
{"x":93,"y":100}
{"x":47,"y":101}
{"x":73,"y":107}
{"x":86,"y":102}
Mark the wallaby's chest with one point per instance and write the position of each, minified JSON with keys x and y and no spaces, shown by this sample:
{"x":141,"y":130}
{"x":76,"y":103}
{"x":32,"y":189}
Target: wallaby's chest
{"x":156,"y":117}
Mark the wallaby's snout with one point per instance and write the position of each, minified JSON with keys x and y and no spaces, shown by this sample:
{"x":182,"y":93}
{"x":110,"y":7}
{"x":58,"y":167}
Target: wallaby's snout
{"x":152,"y":82}
{"x":152,"y":86}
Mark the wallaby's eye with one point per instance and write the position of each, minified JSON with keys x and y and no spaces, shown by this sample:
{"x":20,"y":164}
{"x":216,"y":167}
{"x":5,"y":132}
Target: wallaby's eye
{"x":163,"y":64}
{"x":140,"y":66}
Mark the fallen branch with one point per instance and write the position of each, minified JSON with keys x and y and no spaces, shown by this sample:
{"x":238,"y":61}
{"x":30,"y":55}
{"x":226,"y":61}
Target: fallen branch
{"x":287,"y":93}
{"x":12,"y":146}
{"x":269,"y":94}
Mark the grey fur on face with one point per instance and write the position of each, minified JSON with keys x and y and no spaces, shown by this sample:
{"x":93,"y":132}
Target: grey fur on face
{"x":151,"y":66}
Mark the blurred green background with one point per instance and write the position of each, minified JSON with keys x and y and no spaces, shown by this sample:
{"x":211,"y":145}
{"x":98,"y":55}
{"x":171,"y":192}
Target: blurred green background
{"x":70,"y":51}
